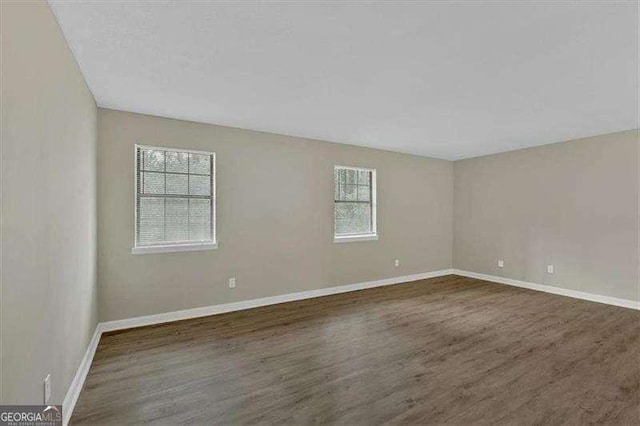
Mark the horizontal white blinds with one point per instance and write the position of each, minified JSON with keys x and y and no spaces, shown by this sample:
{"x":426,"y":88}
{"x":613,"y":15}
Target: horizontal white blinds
{"x":174,"y":197}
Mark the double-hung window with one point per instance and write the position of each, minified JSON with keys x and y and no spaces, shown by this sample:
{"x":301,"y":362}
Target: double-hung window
{"x":354,"y":204}
{"x":175,"y":200}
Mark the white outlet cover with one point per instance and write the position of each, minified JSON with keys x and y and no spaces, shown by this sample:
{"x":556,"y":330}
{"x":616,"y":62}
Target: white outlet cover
{"x":500,"y":263}
{"x":550,"y":269}
{"x":232,"y":282}
{"x":47,"y":389}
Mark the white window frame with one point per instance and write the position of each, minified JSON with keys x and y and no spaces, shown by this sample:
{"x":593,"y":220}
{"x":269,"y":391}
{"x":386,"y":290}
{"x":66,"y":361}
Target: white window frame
{"x":182,"y":246}
{"x":371,"y":236}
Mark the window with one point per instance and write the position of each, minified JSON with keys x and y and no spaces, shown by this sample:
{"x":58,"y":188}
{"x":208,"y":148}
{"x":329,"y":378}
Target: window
{"x":355,"y":204}
{"x":175,"y":200}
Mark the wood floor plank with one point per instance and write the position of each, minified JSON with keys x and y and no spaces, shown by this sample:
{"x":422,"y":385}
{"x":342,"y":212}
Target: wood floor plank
{"x":445,"y":350}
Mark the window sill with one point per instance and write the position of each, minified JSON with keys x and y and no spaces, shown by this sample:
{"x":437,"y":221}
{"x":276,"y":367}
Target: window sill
{"x":173,"y":248}
{"x":354,"y":238}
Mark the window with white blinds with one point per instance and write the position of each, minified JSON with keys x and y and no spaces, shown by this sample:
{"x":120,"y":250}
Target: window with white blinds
{"x":354,"y":204}
{"x":175,"y":199}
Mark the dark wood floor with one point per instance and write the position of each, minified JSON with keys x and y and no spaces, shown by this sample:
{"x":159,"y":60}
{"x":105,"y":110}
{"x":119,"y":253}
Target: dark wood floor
{"x":447,"y":350}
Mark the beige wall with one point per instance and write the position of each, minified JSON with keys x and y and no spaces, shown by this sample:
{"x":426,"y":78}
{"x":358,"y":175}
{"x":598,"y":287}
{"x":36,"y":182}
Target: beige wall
{"x":49,"y":304}
{"x":275,"y":218}
{"x":572,"y":204}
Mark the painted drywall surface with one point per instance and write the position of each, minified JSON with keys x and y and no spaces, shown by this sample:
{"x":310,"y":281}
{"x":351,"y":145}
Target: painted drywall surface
{"x":573,"y":205}
{"x":49,"y":142}
{"x":274,"y":218}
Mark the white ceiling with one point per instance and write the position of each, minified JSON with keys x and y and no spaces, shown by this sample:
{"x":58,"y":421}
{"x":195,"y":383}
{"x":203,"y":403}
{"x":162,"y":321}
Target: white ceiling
{"x":442,"y":79}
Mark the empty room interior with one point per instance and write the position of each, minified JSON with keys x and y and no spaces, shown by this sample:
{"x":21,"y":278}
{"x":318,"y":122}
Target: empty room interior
{"x":320,"y":212}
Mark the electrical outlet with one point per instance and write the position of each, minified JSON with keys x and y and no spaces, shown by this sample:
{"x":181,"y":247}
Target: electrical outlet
{"x":549,"y":269}
{"x":500,"y":263}
{"x":47,"y":389}
{"x":397,"y":262}
{"x":232,"y":282}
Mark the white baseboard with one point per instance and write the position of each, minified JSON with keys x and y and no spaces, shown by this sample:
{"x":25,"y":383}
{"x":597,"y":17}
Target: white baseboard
{"x":78,"y":381}
{"x":625,"y":303}
{"x":254,"y":303}
{"x":75,"y":387}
